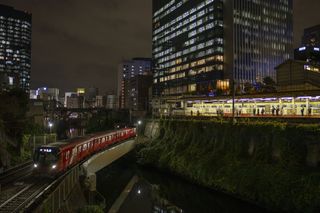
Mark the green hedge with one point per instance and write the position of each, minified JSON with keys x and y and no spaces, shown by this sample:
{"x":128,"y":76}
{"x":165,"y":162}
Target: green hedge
{"x":261,"y":162}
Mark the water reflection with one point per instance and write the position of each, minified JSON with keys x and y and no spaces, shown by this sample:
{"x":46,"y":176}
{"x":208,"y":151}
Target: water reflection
{"x":141,"y":190}
{"x":145,"y":197}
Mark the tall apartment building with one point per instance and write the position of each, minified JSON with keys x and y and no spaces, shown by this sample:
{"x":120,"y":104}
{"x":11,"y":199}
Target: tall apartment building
{"x":128,"y":71}
{"x":15,"y":48}
{"x":199,"y":46}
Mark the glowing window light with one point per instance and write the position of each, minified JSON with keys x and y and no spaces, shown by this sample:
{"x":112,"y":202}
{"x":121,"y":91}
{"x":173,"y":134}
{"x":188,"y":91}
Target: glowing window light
{"x":302,"y":48}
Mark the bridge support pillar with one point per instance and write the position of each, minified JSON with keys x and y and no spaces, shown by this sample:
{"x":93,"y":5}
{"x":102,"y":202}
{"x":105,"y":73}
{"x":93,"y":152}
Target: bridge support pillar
{"x":91,"y":182}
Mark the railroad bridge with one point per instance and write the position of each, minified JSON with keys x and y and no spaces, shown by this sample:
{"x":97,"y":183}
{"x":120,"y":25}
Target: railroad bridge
{"x":21,"y":192}
{"x":78,"y":118}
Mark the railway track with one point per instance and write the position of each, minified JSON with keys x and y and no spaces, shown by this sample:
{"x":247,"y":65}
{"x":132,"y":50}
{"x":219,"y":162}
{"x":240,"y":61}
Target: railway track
{"x":17,"y":199}
{"x":15,"y":174}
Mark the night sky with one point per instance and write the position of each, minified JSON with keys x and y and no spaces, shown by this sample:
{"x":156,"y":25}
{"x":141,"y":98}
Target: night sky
{"x":79,"y":43}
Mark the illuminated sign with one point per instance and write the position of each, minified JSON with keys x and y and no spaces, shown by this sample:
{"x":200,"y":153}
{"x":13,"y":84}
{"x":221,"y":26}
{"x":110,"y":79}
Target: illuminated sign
{"x":81,"y":91}
{"x":45,"y":150}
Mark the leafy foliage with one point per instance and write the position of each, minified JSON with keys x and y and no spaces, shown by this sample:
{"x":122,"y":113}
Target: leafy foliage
{"x":105,"y":120}
{"x":262,"y":162}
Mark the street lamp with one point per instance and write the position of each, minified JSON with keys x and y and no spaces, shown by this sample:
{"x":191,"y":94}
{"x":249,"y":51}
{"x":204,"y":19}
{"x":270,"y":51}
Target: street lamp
{"x":139,"y":122}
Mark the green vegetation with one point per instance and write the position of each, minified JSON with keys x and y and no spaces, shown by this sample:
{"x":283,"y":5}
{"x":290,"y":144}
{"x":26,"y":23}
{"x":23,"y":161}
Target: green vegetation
{"x":106,"y":120}
{"x":15,"y":128}
{"x":260,"y":162}
{"x":91,"y":209}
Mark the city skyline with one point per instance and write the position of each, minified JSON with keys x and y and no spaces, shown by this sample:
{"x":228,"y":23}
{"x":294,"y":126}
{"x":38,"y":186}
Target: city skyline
{"x":66,"y":52}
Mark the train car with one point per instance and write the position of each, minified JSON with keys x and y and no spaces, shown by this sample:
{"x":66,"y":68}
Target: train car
{"x":55,"y":158}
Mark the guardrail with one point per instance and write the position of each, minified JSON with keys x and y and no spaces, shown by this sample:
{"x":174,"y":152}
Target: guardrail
{"x":54,"y":196}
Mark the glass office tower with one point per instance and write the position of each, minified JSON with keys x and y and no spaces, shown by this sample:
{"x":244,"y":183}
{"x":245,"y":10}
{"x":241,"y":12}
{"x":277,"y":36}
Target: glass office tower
{"x":15,"y":48}
{"x":200,"y":45}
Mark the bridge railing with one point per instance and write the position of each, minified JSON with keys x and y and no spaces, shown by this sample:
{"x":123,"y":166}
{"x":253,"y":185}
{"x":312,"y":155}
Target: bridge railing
{"x":58,"y":192}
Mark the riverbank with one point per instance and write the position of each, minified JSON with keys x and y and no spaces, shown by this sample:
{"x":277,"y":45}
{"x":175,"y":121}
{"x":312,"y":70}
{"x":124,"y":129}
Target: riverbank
{"x":271,"y":164}
{"x":128,"y":187}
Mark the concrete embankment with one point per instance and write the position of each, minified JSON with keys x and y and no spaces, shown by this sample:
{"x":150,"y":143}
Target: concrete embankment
{"x":273,"y":164}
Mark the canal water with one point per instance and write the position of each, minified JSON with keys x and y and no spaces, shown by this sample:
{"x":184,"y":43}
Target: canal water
{"x":142,"y":190}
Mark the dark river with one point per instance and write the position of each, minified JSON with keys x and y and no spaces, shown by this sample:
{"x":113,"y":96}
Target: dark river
{"x":142,"y":190}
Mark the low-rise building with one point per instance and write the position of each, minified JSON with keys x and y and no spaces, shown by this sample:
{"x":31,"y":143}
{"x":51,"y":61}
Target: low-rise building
{"x":294,"y":75}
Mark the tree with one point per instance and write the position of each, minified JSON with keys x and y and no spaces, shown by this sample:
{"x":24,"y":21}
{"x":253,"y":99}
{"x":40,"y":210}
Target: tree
{"x":248,"y":88}
{"x":268,"y":81}
{"x":269,"y":85}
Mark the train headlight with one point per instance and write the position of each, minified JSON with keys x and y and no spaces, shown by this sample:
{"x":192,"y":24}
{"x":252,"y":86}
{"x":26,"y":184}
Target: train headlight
{"x":35,"y":165}
{"x":54,"y":166}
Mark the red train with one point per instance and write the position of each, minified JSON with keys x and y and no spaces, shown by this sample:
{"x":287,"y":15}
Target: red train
{"x":55,"y":158}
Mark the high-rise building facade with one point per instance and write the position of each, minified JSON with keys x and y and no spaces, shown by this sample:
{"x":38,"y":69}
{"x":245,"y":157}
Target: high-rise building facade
{"x":128,"y":70}
{"x":15,"y":48}
{"x":200,"y":45}
{"x":309,"y":50}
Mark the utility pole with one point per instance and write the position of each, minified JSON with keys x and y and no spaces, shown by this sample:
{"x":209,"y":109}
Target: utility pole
{"x":233,"y":98}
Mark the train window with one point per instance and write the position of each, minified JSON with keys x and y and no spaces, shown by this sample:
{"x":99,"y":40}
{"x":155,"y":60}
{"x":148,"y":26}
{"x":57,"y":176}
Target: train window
{"x":84,"y":146}
{"x":44,"y":156}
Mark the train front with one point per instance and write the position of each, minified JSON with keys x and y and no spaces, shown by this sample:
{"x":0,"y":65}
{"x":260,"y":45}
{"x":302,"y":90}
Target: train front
{"x":46,"y":162}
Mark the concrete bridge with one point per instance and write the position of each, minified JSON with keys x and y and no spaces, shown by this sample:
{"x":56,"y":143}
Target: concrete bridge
{"x":103,"y":159}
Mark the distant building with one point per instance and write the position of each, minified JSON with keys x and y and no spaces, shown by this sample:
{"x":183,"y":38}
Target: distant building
{"x":9,"y":81}
{"x":127,"y":71}
{"x":293,"y":75}
{"x":310,"y":46}
{"x":99,"y":101}
{"x":67,"y":95}
{"x":111,"y":102}
{"x":311,"y":36}
{"x":139,"y":92}
{"x":15,"y":48}
{"x":74,"y":101}
{"x":33,"y":94}
{"x":308,"y":53}
{"x":91,"y":94}
{"x":45,"y":93}
{"x":200,"y":42}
